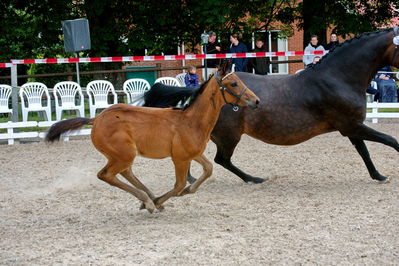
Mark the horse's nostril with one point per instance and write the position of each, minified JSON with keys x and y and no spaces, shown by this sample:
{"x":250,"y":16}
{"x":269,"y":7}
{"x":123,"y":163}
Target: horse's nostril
{"x":257,"y":102}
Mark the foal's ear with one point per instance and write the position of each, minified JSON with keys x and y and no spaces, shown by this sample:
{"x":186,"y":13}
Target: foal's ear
{"x":224,"y":68}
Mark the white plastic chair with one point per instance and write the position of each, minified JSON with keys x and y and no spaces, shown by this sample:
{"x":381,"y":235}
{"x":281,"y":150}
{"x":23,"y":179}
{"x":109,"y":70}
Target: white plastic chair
{"x":181,"y":78}
{"x":32,"y":93}
{"x":65,"y":94}
{"x":5,"y":93}
{"x":134,"y":90}
{"x":168,"y":81}
{"x":98,"y":91}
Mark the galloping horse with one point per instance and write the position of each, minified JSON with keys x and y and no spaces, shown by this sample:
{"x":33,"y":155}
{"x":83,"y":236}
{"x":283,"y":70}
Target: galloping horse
{"x":330,"y":96}
{"x":123,"y":132}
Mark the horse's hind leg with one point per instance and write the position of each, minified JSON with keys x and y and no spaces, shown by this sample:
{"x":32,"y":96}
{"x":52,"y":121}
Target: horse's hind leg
{"x":108,"y":174}
{"x":362,"y":150}
{"x":207,"y":172}
{"x":362,"y":132}
{"x":225,"y":149}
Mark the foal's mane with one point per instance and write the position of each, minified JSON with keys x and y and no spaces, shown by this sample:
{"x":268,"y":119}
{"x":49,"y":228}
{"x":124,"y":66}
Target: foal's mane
{"x":346,"y":43}
{"x":161,"y":95}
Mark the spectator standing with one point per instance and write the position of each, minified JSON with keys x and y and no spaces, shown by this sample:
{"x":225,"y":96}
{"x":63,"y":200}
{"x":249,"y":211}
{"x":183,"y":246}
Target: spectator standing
{"x":260,"y":64}
{"x":237,"y":47}
{"x":191,"y":78}
{"x":213,"y":47}
{"x":315,"y":60}
{"x":386,"y":86}
{"x":312,"y":46}
{"x":333,"y":42}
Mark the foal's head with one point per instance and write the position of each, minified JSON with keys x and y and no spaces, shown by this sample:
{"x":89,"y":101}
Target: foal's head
{"x":234,"y":91}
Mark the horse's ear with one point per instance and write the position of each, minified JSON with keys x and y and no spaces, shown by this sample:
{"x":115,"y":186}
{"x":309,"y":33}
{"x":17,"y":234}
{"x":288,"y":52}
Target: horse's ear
{"x":224,"y":68}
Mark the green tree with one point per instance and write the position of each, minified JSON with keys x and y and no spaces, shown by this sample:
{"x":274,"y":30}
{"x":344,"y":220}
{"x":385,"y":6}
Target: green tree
{"x":345,"y":16}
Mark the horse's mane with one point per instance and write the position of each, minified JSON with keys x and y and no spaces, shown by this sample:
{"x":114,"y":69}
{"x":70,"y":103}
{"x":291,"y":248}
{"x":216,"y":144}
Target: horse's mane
{"x":161,"y":95}
{"x":346,"y":43}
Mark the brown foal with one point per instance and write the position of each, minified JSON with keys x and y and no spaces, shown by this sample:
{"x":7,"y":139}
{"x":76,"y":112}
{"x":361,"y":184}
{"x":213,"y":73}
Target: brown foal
{"x":123,"y":132}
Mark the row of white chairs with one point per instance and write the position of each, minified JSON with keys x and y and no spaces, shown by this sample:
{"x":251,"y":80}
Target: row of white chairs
{"x":68,"y":96}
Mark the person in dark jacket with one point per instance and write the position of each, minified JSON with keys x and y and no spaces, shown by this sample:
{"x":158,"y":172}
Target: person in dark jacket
{"x":260,"y":64}
{"x":191,"y":78}
{"x":213,"y":47}
{"x":333,"y":42}
{"x":387,"y":88}
{"x":240,"y":64}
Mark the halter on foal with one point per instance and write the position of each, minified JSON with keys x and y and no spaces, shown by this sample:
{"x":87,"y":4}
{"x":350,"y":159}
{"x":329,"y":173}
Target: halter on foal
{"x":123,"y":132}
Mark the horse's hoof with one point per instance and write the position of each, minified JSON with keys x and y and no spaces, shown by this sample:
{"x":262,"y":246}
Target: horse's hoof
{"x":255,"y":180}
{"x":191,"y":179}
{"x":380,"y":178}
{"x":385,"y":181}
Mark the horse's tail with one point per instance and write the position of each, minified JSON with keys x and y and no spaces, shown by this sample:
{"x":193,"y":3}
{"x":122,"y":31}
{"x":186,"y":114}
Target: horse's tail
{"x":63,"y":126}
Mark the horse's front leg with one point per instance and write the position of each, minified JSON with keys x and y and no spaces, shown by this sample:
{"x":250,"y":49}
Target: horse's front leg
{"x":207,"y":172}
{"x":181,"y":170}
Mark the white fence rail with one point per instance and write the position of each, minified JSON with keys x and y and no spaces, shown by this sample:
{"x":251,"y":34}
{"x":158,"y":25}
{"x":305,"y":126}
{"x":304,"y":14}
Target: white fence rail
{"x":375,"y":114}
{"x":37,"y":132}
{"x":11,"y":135}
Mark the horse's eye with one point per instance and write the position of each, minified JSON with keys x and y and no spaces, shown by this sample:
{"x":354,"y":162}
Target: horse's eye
{"x":234,"y":84}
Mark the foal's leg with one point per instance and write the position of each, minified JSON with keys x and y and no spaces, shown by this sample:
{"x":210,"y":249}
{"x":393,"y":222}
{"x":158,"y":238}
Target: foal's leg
{"x":181,"y":170}
{"x":128,"y":174}
{"x":108,"y":174}
{"x":207,"y":168}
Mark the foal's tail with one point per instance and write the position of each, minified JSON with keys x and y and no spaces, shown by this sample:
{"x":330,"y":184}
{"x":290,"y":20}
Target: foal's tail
{"x":63,"y":126}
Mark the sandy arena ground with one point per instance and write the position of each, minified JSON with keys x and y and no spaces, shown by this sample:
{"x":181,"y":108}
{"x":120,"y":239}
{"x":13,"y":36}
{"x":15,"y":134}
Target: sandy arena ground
{"x":318,"y":206}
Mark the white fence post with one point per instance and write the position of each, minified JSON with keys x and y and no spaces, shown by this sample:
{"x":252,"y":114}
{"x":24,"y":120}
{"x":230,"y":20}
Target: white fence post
{"x":14,"y":97}
{"x":374,"y":111}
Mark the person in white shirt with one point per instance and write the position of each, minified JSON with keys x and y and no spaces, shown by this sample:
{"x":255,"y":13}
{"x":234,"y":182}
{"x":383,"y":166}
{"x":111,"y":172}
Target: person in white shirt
{"x":312,"y":46}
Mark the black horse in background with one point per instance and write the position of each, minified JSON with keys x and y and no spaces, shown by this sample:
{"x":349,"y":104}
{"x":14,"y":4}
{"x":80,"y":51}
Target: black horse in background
{"x":330,"y":96}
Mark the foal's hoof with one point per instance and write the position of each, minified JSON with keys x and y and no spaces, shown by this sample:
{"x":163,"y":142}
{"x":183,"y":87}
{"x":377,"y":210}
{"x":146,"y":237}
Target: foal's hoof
{"x":149,"y":206}
{"x":160,"y":208}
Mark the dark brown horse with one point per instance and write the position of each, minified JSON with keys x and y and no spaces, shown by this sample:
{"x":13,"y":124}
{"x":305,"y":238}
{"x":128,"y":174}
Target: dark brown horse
{"x":122,"y":132}
{"x":330,"y":96}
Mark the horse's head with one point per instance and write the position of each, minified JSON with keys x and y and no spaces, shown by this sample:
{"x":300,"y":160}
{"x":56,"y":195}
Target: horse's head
{"x":234,"y":91}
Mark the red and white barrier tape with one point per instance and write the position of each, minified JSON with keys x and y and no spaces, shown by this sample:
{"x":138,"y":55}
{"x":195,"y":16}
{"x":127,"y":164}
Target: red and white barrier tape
{"x":161,"y":57}
{"x":4,"y":65}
